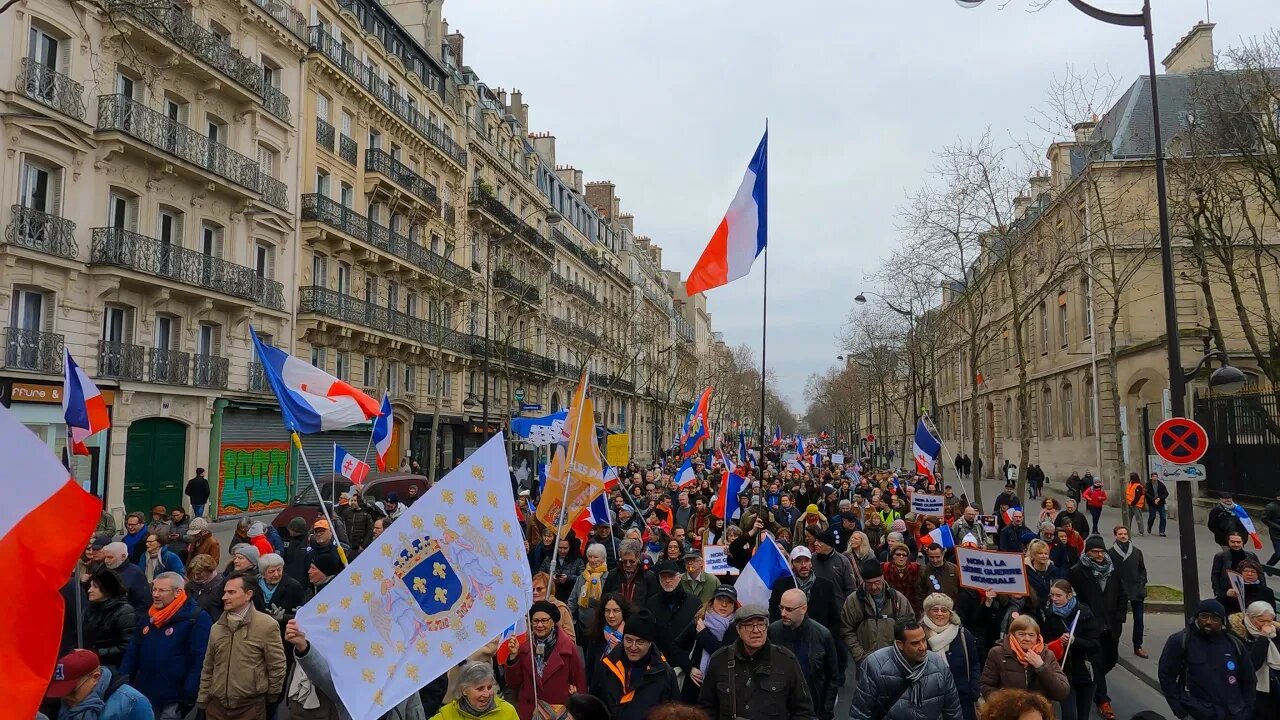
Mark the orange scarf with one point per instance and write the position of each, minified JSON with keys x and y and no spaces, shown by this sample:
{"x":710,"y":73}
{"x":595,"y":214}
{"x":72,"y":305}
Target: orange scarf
{"x":160,"y":617}
{"x":1021,"y":654}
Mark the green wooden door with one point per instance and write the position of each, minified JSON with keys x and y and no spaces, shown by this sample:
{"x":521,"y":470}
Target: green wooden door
{"x":155,"y":464}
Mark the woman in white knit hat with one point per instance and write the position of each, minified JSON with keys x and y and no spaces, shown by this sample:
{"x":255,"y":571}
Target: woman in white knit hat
{"x":957,"y":646}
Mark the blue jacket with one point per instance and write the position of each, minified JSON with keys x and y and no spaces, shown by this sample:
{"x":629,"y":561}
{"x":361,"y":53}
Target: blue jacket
{"x":122,"y":702}
{"x":962,"y":650}
{"x":169,"y":562}
{"x":164,"y":663}
{"x":136,"y":583}
{"x":1014,"y":539}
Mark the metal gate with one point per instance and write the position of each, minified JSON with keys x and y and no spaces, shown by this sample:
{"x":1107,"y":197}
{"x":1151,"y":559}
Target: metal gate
{"x":1243,"y":450}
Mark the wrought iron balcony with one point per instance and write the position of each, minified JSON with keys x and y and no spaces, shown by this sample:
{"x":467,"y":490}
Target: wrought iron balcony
{"x":564,"y":327}
{"x":209,"y":371}
{"x":587,"y":258}
{"x":284,"y":12}
{"x":50,"y":87}
{"x":123,"y":248}
{"x":171,"y":367}
{"x":344,"y":219}
{"x":502,"y":352}
{"x":42,"y":232}
{"x":275,"y":192}
{"x":33,"y":350}
{"x":519,"y":289}
{"x":174,"y":24}
{"x":258,"y":378}
{"x":449,"y":214}
{"x":333,"y":304}
{"x":565,"y":284}
{"x":507,"y":217}
{"x":120,"y":360}
{"x":347,"y":149}
{"x":325,"y":134}
{"x":118,"y":112}
{"x":399,"y":106}
{"x":380,"y":161}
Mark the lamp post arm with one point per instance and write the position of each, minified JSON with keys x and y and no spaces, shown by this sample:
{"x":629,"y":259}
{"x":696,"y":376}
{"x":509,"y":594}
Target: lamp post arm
{"x":1187,"y":375}
{"x":1125,"y":19}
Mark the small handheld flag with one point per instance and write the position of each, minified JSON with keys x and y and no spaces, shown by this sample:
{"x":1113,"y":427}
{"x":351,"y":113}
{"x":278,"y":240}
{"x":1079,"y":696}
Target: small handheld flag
{"x":1009,"y":511}
{"x":685,"y":475}
{"x":726,"y":504}
{"x":1248,"y":525}
{"x":349,"y":466}
{"x":768,"y":564}
{"x":83,"y":406}
{"x":382,"y":432}
{"x":942,"y":536}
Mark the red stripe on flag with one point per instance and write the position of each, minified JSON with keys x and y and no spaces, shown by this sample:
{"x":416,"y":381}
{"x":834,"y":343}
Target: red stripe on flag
{"x":40,"y":553}
{"x":712,"y":269}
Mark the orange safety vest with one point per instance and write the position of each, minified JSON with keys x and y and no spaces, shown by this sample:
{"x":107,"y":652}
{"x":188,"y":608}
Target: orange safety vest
{"x":1133,"y":490}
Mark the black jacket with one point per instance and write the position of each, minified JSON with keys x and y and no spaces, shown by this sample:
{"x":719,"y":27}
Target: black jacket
{"x":631,"y":695}
{"x":288,"y":596}
{"x":295,"y":559}
{"x":644,"y":586}
{"x":1079,"y":522}
{"x":198,"y":490}
{"x":1223,"y":521}
{"x":108,"y":628}
{"x":821,"y":660}
{"x":1157,"y":490}
{"x":1132,"y":571}
{"x":824,"y":606}
{"x":1195,"y":680}
{"x":1109,"y":605}
{"x":1084,"y":644}
{"x":700,"y":641}
{"x":766,"y":686}
{"x":1222,"y":562}
{"x":673,"y":612}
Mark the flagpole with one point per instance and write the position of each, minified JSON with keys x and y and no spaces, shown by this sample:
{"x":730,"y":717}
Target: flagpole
{"x":943,"y":454}
{"x":297,"y":442}
{"x":764,"y":343}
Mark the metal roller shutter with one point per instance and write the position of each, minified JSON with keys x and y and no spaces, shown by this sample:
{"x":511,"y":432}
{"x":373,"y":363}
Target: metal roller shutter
{"x":254,"y":472}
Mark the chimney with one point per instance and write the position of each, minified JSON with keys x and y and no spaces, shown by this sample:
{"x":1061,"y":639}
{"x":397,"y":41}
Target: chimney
{"x":454,"y":40}
{"x":600,"y":196}
{"x":1039,"y":185}
{"x":545,"y":145}
{"x":1020,"y":205}
{"x":1084,"y":130}
{"x":1193,"y":53}
{"x":577,"y":181}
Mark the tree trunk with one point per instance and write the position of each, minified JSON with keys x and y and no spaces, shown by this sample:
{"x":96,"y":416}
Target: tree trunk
{"x":1113,"y":366}
{"x":433,"y":445}
{"x":976,"y":440}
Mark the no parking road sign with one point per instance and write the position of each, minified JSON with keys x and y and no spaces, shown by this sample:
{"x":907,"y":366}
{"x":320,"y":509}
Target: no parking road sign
{"x":1180,"y":440}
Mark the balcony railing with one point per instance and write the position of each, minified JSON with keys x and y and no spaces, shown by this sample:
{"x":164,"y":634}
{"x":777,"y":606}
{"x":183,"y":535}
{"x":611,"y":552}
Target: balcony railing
{"x":258,"y":378}
{"x":275,"y":192}
{"x":564,"y":327}
{"x":587,"y":258}
{"x":123,"y":248}
{"x":335,"y":215}
{"x":209,"y":371}
{"x":506,"y":216}
{"x":284,"y":12}
{"x":171,"y":367}
{"x":449,"y":214}
{"x":118,"y":112}
{"x":50,"y":87}
{"x":325,"y":134}
{"x":120,"y":360}
{"x":347,"y":149}
{"x":399,"y":106}
{"x":176,"y":25}
{"x":33,"y":350}
{"x":333,"y":304}
{"x":380,"y":161}
{"x":502,"y":352}
{"x":563,"y":283}
{"x":519,"y":289}
{"x":42,"y":232}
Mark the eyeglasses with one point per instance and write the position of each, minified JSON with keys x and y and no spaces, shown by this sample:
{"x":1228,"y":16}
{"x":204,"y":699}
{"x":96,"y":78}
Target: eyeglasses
{"x":753,"y":625}
{"x":784,"y":608}
{"x":540,"y":621}
{"x":634,"y":642}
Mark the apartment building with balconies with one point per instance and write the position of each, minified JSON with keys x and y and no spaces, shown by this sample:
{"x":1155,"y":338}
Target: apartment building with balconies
{"x":149,"y":223}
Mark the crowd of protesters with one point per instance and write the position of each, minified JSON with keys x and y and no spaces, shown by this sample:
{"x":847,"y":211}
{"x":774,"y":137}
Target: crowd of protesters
{"x":627,"y":623}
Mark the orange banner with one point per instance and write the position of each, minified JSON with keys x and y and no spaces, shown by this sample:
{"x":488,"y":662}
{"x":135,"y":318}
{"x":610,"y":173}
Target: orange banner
{"x":576,"y":475}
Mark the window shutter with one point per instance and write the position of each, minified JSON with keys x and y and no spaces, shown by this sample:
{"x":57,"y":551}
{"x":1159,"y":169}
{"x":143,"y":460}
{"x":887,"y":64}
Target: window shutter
{"x":64,"y":57}
{"x":217,"y":242}
{"x":216,"y":349}
{"x":48,"y":304}
{"x":56,"y":179}
{"x":131,"y":214}
{"x":271,"y":261}
{"x":178,"y":236}
{"x":175,"y":334}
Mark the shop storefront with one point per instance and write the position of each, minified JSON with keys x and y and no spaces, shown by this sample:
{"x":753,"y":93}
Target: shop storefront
{"x":254,"y":468}
{"x":38,"y":406}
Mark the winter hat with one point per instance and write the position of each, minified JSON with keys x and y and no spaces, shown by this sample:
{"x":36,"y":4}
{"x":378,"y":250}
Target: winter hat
{"x":249,"y":552}
{"x":257,"y":529}
{"x":197,"y":526}
{"x":1212,"y":607}
{"x":101,"y":540}
{"x":1095,"y":542}
{"x":936,"y":599}
{"x":297,"y":527}
{"x":812,"y":509}
{"x":327,"y":563}
{"x":870,"y":569}
{"x":827,"y":537}
{"x":109,"y":582}
{"x":642,"y":625}
{"x":899,"y":526}
{"x":542,"y":606}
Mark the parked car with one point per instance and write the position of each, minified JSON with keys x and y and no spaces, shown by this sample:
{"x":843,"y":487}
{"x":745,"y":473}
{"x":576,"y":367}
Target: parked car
{"x":377,"y":486}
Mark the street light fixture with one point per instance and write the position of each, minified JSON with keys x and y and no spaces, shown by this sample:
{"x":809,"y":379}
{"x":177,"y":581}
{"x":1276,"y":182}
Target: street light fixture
{"x":553,"y":218}
{"x":1227,"y":379}
{"x":1177,"y":379}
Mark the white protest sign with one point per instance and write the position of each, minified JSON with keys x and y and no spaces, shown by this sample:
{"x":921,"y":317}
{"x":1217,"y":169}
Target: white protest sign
{"x":989,"y":523}
{"x":922,"y":504}
{"x":837,"y":458}
{"x":716,"y":560}
{"x":1001,"y":572}
{"x":1237,"y":584}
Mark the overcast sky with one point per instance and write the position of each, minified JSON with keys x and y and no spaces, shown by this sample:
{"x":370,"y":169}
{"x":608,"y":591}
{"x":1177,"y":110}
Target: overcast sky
{"x":668,"y":98}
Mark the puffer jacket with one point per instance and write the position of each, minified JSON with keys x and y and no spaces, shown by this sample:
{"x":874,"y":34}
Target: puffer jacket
{"x":164,"y":663}
{"x":1003,"y":671}
{"x":501,"y":710}
{"x":244,"y":661}
{"x":108,"y":627}
{"x":631,"y":695}
{"x":882,"y":679}
{"x":863,"y":629}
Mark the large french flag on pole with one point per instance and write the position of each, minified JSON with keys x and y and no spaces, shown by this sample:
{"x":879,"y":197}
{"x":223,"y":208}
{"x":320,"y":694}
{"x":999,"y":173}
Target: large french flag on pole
{"x":741,"y":235}
{"x":726,"y":504}
{"x":382,"y":432}
{"x":926,"y":448}
{"x":311,"y":399}
{"x":83,"y":406}
{"x":767,"y":565}
{"x":45,"y":520}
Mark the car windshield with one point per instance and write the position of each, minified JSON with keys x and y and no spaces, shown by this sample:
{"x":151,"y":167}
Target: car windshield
{"x":306,"y":494}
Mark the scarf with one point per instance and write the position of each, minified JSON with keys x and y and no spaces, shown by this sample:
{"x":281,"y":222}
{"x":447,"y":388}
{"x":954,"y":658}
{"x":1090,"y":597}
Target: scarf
{"x":267,"y":590}
{"x":543,"y":648}
{"x":1066,"y":610}
{"x":1016,"y":648}
{"x":592,"y":584}
{"x":941,"y":636}
{"x":913,"y":675}
{"x":805,"y":585}
{"x":612,"y":637}
{"x":92,"y":706}
{"x":154,"y":566}
{"x":718,"y":625}
{"x":1273,"y":655}
{"x":469,"y":709}
{"x":1123,"y":549}
{"x":1100,"y":570}
{"x":160,"y":618}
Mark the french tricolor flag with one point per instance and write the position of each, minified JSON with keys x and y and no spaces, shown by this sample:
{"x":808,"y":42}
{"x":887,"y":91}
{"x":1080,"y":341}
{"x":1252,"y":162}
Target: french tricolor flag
{"x":43,"y":508}
{"x":1009,"y":511}
{"x":726,"y":504}
{"x":942,"y":536}
{"x":312,"y":400}
{"x":926,"y":448}
{"x":1248,"y":525}
{"x":741,"y":235}
{"x":382,"y":432}
{"x":83,"y":406}
{"x":685,"y":475}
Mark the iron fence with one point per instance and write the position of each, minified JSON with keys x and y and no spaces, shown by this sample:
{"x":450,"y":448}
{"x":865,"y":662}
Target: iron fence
{"x":35,"y":230}
{"x":1244,"y":442}
{"x":50,"y":87}
{"x":505,"y":281}
{"x":209,"y":371}
{"x":33,"y":350}
{"x":171,"y":367}
{"x":120,"y":360}
{"x":380,"y":161}
{"x":325,"y":134}
{"x":347,"y":149}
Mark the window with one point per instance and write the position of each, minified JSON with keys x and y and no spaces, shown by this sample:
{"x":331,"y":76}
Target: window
{"x":41,"y":186}
{"x":1046,"y":412}
{"x":348,"y":197}
{"x":342,"y":360}
{"x":393,"y":295}
{"x":371,"y":289}
{"x":264,"y":260}
{"x":319,"y":270}
{"x":1086,"y":309}
{"x":267,"y":160}
{"x":344,"y":278}
{"x":318,"y":357}
{"x":1090,"y":417}
{"x":410,"y":378}
{"x":1064,"y":335}
{"x":1044,"y":328}
{"x":209,"y":340}
{"x":169,"y":226}
{"x":322,"y":183}
{"x":271,"y":74}
{"x":1004,"y":349}
{"x":31,"y":311}
{"x":46,"y":49}
{"x":122,"y":210}
{"x":167,"y":336}
{"x":411,"y":305}
{"x":370,"y":371}
{"x":431,"y":381}
{"x":346,"y":123}
{"x":471,"y":382}
{"x":322,"y":106}
{"x":1068,"y":411}
{"x":375,"y":139}
{"x":393,"y":377}
{"x":117,"y":324}
{"x":126,"y":85}
{"x":211,"y":239}
{"x":448,"y":384}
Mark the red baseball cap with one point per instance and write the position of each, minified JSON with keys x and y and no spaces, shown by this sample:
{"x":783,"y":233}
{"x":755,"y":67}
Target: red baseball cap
{"x":70,"y":670}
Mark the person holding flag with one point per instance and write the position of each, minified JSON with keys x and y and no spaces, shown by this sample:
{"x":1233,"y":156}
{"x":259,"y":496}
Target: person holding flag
{"x":1072,"y":634}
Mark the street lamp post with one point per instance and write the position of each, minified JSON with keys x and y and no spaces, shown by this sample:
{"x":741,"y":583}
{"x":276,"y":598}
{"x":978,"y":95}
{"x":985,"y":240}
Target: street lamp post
{"x":1177,"y":376}
{"x":861,"y":299}
{"x":553,"y":218}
